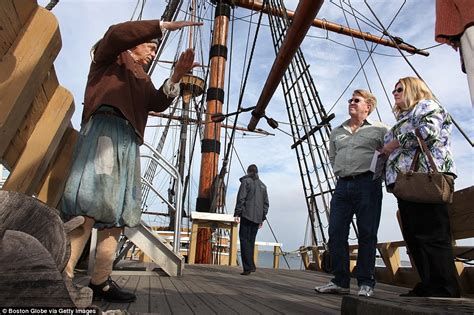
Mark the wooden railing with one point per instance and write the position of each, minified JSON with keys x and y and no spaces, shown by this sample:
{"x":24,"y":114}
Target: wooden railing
{"x":461,"y":213}
{"x":36,"y":135}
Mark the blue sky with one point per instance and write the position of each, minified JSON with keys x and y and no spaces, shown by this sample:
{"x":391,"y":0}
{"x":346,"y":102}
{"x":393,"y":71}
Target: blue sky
{"x":82,"y":23}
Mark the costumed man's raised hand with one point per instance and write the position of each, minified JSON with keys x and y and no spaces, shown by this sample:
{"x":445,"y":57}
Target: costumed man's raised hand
{"x":184,"y":64}
{"x":176,"y":25}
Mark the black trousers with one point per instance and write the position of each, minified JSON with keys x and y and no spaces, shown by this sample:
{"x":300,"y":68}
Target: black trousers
{"x":427,"y":233}
{"x":247,"y":234}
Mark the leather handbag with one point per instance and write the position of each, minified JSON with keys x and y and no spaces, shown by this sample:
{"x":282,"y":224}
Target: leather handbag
{"x":432,"y":187}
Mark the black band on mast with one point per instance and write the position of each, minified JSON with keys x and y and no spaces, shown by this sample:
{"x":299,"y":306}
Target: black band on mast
{"x":215,"y":94}
{"x":210,"y":145}
{"x":222,"y":9}
{"x":203,"y":204}
{"x":218,"y":51}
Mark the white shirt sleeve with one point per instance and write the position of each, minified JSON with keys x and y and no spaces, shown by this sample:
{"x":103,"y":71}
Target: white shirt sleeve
{"x":171,"y":89}
{"x":162,"y":29}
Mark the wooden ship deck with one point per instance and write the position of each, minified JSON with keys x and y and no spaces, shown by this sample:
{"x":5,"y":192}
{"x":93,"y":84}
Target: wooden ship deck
{"x":211,"y":289}
{"x":36,"y":147}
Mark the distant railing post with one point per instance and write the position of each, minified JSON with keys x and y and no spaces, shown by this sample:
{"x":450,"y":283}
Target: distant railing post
{"x":305,"y":257}
{"x":255,"y":255}
{"x":276,"y":256}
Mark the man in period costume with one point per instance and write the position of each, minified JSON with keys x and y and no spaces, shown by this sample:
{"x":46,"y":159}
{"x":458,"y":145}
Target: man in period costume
{"x":104,"y":183}
{"x":455,"y":27}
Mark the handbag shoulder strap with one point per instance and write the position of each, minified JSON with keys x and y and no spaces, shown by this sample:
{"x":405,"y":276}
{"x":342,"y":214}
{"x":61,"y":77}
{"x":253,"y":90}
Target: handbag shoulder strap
{"x":414,"y":163}
{"x":425,"y":150}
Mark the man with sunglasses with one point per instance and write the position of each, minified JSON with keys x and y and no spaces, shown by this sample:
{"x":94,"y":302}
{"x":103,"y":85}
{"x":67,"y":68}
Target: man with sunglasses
{"x":351,"y":148}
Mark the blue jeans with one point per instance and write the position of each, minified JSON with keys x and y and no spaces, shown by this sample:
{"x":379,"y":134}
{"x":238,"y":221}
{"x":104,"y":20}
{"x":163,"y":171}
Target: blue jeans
{"x":361,"y":196}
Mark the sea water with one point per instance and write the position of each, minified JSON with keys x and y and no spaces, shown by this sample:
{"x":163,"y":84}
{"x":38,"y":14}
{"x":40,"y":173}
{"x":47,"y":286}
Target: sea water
{"x":294,"y":262}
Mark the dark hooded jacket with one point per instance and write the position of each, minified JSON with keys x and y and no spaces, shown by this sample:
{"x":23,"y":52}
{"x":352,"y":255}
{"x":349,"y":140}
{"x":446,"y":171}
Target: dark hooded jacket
{"x":252,"y":199}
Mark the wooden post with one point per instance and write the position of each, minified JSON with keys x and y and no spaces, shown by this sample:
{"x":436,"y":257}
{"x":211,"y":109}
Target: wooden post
{"x":210,"y":146}
{"x":233,"y":244}
{"x":192,"y":244}
{"x":255,"y":254}
{"x":317,"y":258}
{"x":391,"y":258}
{"x":276,"y":256}
{"x":304,"y":257}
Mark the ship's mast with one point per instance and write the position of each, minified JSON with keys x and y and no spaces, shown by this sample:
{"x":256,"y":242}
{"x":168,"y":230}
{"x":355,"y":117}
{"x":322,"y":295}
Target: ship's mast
{"x":210,"y":146}
{"x":191,"y":86}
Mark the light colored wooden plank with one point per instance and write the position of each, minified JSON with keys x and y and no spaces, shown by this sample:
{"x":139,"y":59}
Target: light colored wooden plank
{"x":22,"y":70}
{"x":193,"y":245}
{"x":233,"y":245}
{"x":194,"y":302}
{"x":143,"y":298}
{"x":212,"y":216}
{"x":158,"y":302}
{"x":211,"y":300}
{"x":42,"y":144}
{"x":178,"y":304}
{"x":10,"y":25}
{"x":52,"y":188}
{"x":24,"y":9}
{"x":18,"y":142}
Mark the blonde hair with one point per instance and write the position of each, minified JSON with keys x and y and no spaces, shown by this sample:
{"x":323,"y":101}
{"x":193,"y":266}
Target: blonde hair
{"x":414,"y":90}
{"x":368,"y":97}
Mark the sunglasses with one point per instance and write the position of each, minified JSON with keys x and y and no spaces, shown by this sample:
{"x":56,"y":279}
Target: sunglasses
{"x":399,"y":90}
{"x":355,"y":100}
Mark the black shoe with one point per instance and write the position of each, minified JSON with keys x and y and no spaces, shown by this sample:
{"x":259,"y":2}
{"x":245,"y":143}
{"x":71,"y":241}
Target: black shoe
{"x":111,"y":292}
{"x":410,"y":293}
{"x":418,"y":291}
{"x":253,"y":270}
{"x":246,"y":273}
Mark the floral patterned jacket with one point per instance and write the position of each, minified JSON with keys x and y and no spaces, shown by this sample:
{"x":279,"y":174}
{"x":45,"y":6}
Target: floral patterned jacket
{"x":435,"y":126}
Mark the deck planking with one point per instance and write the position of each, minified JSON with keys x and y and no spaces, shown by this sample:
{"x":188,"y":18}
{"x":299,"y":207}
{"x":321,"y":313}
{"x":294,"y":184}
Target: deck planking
{"x":210,"y":289}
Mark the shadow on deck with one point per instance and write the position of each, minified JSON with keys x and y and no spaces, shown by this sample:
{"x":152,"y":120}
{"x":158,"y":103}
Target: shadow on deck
{"x":210,"y":289}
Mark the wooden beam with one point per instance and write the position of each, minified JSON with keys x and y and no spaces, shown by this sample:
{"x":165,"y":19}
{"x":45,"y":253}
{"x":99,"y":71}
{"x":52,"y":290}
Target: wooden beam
{"x":23,"y":69}
{"x":24,"y":8}
{"x":304,"y":15}
{"x":332,"y":27}
{"x":276,"y":257}
{"x":42,"y":144}
{"x":18,"y":142}
{"x":461,"y":214}
{"x":11,"y":25}
{"x":391,"y":258}
{"x":52,"y":187}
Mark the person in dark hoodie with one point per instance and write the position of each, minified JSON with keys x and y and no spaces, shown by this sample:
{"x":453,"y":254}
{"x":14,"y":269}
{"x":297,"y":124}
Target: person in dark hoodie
{"x":250,"y":211}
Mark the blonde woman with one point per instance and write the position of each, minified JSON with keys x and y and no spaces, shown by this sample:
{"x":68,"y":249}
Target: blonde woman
{"x":425,"y":227}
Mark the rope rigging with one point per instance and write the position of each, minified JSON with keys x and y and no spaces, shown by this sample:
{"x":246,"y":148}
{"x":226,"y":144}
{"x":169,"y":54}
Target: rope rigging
{"x":397,"y":43}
